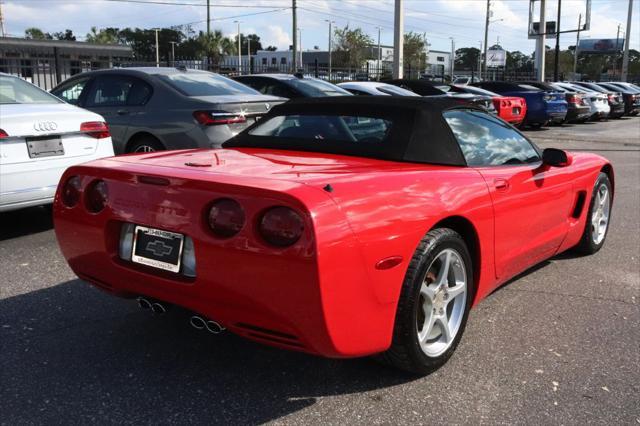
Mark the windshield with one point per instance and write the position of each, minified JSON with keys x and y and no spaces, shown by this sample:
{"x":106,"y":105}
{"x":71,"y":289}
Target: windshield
{"x":390,"y":89}
{"x":14,"y":90}
{"x":205,"y":84}
{"x":477,"y":91}
{"x":314,"y":88}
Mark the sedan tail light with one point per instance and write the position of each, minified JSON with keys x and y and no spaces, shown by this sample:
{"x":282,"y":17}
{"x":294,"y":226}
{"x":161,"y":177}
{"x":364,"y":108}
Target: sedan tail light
{"x":3,"y":134}
{"x":71,"y":191}
{"x":208,"y":118}
{"x":96,"y":196}
{"x":281,"y":226}
{"x":95,"y":129}
{"x":226,"y":217}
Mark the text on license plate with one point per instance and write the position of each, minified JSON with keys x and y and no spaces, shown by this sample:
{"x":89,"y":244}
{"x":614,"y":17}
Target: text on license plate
{"x":157,"y":248}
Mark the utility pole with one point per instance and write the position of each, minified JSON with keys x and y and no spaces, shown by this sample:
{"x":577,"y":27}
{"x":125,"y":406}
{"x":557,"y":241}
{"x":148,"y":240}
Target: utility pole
{"x":625,"y":57}
{"x":541,"y":49}
{"x":208,"y":18}
{"x":575,"y":51}
{"x":2,"y":32}
{"x":557,"y":55}
{"x":173,"y":53}
{"x":480,"y":62}
{"x":300,"y":46}
{"x":239,"y":50}
{"x":486,"y":37}
{"x":398,"y":39}
{"x":295,"y":36}
{"x":378,"y":66}
{"x":453,"y":56}
{"x":157,"y":48}
{"x":330,"y":38}
{"x":615,"y":58}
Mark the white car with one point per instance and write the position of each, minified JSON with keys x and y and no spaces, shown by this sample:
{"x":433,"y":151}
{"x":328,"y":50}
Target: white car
{"x":40,"y":136}
{"x":598,"y":102}
{"x":375,"y":88}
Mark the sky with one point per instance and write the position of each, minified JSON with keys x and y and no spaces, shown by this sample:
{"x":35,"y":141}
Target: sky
{"x":271,"y":19}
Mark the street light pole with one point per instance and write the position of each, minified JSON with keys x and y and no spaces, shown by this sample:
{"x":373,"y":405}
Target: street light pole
{"x":157,"y":48}
{"x":575,"y":51}
{"x":173,"y":53}
{"x":330,"y":38}
{"x":294,"y":56}
{"x":486,"y":36}
{"x":453,"y":56}
{"x":239,"y":50}
{"x":398,"y":39}
{"x":378,"y":64}
{"x":625,"y":57}
{"x":557,"y":55}
{"x":300,"y":46}
{"x":541,"y":49}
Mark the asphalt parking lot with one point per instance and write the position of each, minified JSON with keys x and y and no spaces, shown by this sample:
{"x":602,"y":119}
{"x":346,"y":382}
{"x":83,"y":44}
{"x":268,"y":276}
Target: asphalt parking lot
{"x":559,"y":344}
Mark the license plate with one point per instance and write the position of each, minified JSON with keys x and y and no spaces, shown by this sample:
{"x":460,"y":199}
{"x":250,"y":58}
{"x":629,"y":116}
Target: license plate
{"x":46,"y":146}
{"x":516,"y":111}
{"x":157,"y":248}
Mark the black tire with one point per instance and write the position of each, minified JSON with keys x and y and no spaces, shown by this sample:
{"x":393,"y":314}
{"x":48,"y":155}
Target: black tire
{"x":535,"y":126}
{"x":405,"y":352}
{"x":587,"y":245}
{"x":145,"y":144}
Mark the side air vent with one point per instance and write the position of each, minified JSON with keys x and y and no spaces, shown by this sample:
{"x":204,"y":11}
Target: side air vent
{"x":579,"y":206}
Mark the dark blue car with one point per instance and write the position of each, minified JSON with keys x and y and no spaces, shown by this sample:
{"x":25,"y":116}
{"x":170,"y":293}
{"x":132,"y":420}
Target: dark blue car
{"x":542,"y":106}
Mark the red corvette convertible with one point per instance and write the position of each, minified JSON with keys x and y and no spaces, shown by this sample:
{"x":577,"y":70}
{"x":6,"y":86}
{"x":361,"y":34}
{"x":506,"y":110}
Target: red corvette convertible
{"x":342,"y":227}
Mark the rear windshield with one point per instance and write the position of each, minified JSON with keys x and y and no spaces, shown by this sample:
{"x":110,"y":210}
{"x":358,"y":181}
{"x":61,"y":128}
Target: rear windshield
{"x":14,"y":90}
{"x":318,"y":128}
{"x":478,"y":91}
{"x":392,"y":90}
{"x":314,"y":88}
{"x":205,"y":84}
{"x":528,"y":87}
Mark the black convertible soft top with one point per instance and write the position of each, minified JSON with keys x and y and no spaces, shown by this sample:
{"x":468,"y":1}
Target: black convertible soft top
{"x":419,"y":132}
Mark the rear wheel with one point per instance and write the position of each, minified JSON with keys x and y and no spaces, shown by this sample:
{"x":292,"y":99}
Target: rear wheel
{"x":146,"y":144}
{"x":598,"y":217}
{"x":434,"y":304}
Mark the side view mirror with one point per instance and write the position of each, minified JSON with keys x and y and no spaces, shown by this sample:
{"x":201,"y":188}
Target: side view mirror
{"x":556,"y":157}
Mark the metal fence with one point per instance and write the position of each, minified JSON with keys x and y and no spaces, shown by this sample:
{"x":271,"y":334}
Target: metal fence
{"x":47,"y":71}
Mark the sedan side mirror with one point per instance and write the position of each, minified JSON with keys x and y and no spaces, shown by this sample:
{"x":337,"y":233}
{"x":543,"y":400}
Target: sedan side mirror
{"x":556,"y":157}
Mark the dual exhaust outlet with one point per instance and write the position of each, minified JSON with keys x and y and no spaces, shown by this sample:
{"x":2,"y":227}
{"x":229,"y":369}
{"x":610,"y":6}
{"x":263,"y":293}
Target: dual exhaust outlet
{"x":196,"y":321}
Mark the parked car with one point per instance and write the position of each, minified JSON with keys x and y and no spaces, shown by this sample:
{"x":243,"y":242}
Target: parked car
{"x":615,"y":98}
{"x":153,"y":109}
{"x":631,"y":97}
{"x":462,"y":81}
{"x":338,"y":226}
{"x":375,"y":88}
{"x":601,"y":105}
{"x":426,"y":88}
{"x":542,"y":106}
{"x":578,"y":109}
{"x":40,"y":136}
{"x":511,"y":109}
{"x":291,"y":86}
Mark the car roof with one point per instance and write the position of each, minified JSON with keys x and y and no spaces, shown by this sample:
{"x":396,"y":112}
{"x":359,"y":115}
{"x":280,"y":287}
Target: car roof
{"x":368,"y":102}
{"x":274,"y":76}
{"x":143,"y":70}
{"x":364,"y":84}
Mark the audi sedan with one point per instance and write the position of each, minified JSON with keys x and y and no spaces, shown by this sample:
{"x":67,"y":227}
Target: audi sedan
{"x":40,"y":137}
{"x":153,"y":109}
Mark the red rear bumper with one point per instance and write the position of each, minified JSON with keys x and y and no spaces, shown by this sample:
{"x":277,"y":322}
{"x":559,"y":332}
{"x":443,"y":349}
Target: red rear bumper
{"x":511,"y":109}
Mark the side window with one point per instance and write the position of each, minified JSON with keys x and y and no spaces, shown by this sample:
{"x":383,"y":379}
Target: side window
{"x":139,"y":93}
{"x":109,"y":90}
{"x":358,"y":92}
{"x":488,"y":141}
{"x":71,"y":93}
{"x":278,"y":89}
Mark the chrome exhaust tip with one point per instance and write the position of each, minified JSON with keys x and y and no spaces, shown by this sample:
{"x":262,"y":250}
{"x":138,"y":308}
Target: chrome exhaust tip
{"x":197,"y":322}
{"x":144,"y":303}
{"x":158,"y":308}
{"x":214,"y":327}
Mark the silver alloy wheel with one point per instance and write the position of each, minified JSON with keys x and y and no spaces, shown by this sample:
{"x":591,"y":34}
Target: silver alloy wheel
{"x":600,"y":214}
{"x":443,"y":297}
{"x":145,"y":148}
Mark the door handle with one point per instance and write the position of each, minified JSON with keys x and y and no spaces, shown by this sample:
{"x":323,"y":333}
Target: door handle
{"x":501,"y":184}
{"x":122,"y":112}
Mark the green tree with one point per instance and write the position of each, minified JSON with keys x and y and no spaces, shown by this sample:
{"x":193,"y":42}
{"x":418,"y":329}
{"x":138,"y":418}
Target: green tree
{"x":64,"y":35}
{"x":104,"y":36}
{"x":214,"y":46}
{"x":518,"y":61}
{"x":34,"y":33}
{"x":350,"y":46}
{"x":467,"y":58}
{"x":415,"y":55}
{"x":244,"y":43}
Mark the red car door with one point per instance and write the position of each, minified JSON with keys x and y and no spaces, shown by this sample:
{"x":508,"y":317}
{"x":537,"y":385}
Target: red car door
{"x":532,"y":202}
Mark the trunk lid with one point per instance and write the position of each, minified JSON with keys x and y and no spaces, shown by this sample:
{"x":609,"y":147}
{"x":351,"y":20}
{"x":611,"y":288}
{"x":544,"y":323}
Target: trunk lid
{"x":252,"y":107}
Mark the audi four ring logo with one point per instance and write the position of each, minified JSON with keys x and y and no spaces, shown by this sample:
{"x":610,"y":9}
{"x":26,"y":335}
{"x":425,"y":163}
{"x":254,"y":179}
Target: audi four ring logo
{"x":45,"y":126}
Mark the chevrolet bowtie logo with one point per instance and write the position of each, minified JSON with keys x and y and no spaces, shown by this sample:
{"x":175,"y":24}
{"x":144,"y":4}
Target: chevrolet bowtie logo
{"x":159,"y":248}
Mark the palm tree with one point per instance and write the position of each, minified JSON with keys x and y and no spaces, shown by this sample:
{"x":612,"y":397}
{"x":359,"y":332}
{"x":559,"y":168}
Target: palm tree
{"x":215,"y":45}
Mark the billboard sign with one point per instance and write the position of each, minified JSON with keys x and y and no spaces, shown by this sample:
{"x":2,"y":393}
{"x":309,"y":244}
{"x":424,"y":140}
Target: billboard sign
{"x":601,"y":45}
{"x":550,"y":31}
{"x":496,"y":57}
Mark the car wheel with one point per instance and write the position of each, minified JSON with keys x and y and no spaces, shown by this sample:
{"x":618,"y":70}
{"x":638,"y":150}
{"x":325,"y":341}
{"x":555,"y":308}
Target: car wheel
{"x":434,"y":304}
{"x":146,"y":144}
{"x":535,"y":126}
{"x":598,"y":217}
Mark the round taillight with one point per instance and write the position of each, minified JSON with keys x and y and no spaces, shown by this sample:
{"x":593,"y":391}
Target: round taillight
{"x":226,"y":217}
{"x":71,"y":191}
{"x":96,"y":196}
{"x":281,"y":226}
